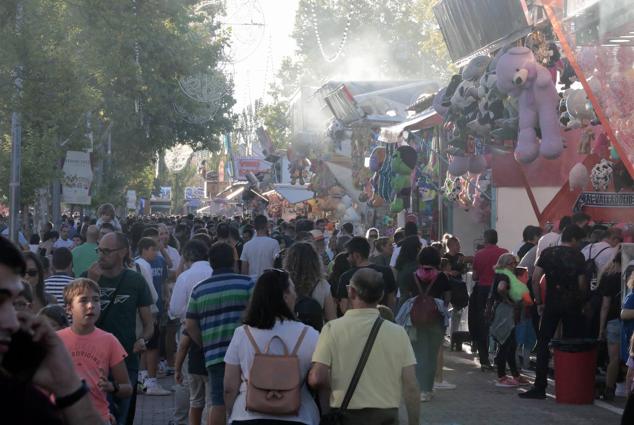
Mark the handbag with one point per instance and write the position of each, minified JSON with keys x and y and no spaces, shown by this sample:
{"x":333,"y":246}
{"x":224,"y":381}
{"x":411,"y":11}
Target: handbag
{"x":275,"y":381}
{"x":424,"y":309}
{"x":335,"y":417}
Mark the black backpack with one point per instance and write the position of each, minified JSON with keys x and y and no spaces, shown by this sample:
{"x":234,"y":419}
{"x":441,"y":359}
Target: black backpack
{"x":309,"y":311}
{"x":590,"y":269}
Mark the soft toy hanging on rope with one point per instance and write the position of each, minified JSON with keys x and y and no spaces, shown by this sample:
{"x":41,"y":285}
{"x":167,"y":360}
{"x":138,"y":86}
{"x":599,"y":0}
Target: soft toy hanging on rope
{"x":520,"y":76}
{"x":601,"y":175}
{"x":403,"y":161}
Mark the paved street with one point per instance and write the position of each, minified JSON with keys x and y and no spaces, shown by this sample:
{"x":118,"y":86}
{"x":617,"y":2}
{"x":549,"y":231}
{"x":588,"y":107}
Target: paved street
{"x":476,"y":401}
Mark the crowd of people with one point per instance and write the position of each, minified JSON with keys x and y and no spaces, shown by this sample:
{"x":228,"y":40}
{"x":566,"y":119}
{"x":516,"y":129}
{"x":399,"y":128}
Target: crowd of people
{"x":263,"y":321}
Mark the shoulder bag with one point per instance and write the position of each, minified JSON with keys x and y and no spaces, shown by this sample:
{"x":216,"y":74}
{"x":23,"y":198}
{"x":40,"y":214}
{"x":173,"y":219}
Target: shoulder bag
{"x":335,"y":417}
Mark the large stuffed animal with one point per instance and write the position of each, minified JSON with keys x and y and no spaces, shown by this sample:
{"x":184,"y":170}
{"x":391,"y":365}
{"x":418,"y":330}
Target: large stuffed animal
{"x":403,"y":161}
{"x":519,"y":75}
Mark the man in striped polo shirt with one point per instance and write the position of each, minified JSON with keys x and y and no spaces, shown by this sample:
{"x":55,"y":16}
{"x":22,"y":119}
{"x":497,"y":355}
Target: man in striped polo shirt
{"x":214,"y":312}
{"x":62,"y":274}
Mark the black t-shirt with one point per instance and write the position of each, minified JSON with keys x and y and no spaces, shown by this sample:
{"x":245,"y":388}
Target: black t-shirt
{"x":23,"y":404}
{"x":524,"y":249}
{"x":457,"y":262}
{"x":562,"y":265}
{"x":610,"y":286}
{"x":339,"y":291}
{"x":440,"y":286}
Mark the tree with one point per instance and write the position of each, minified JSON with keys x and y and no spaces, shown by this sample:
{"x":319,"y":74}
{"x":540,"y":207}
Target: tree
{"x":106,"y":69}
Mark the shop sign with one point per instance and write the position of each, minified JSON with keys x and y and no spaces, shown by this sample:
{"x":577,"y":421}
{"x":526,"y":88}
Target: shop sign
{"x":572,"y":7}
{"x":604,"y":200}
{"x":194,"y":193}
{"x":131,"y":199}
{"x":246,"y":165}
{"x":77,"y":178}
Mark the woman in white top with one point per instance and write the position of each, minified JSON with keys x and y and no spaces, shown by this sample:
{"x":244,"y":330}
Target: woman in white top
{"x":306,"y":271}
{"x":270,"y":314}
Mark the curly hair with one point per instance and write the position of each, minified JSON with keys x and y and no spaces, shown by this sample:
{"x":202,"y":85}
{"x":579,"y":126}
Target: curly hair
{"x":304,"y":267}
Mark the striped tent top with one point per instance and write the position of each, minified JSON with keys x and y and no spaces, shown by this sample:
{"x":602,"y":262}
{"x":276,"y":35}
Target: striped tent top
{"x":55,"y":285}
{"x":217,"y":304}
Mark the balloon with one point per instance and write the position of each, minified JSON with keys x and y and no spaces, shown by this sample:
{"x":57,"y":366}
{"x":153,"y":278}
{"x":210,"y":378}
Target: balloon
{"x":458,"y":165}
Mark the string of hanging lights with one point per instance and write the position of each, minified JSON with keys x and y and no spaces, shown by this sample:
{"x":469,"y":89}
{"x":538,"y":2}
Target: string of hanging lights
{"x":344,"y":37}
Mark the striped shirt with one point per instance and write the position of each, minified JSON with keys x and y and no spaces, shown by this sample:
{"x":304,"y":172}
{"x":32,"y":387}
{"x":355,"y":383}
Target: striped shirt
{"x":55,"y":285}
{"x":217,"y":305}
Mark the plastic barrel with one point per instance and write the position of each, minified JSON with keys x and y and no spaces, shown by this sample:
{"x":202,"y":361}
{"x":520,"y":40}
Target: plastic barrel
{"x":575,"y":369}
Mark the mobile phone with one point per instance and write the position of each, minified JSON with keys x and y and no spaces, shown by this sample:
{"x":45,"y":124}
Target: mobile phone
{"x":24,"y":356}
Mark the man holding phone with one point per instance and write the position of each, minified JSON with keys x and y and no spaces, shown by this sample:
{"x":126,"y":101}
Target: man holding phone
{"x":32,"y":355}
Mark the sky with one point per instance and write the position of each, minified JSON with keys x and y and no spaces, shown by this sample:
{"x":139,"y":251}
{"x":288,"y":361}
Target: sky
{"x":259,"y":50}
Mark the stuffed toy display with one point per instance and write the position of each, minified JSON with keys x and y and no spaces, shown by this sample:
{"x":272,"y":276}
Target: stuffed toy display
{"x":403,"y":162}
{"x":578,"y":177}
{"x":601,"y":175}
{"x":519,"y":75}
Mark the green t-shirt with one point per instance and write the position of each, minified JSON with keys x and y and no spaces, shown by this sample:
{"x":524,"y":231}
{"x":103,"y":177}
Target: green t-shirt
{"x":83,"y":257}
{"x":121,"y":319}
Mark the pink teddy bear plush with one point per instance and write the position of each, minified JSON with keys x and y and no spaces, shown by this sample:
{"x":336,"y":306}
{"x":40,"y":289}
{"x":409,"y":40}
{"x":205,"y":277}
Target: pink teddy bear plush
{"x":519,"y":75}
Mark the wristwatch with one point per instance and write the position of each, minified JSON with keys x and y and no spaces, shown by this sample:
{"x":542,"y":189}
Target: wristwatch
{"x":72,"y":398}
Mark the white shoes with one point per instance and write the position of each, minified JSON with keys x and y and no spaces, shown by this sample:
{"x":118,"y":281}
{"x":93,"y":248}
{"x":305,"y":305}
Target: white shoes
{"x":426,"y":396}
{"x":444,"y":385}
{"x":152,"y":387}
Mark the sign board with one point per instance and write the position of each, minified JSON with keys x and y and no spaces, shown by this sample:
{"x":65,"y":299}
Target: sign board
{"x":130,"y":199}
{"x":604,"y":200}
{"x":194,"y":193}
{"x":243,"y":166}
{"x":77,"y":178}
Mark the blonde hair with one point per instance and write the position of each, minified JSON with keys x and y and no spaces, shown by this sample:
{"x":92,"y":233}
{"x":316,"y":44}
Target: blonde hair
{"x":505,"y":260}
{"x":78,"y":286}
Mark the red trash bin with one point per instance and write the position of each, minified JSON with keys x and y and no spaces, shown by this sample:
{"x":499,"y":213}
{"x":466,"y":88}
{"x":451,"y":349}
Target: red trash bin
{"x":575,"y":370}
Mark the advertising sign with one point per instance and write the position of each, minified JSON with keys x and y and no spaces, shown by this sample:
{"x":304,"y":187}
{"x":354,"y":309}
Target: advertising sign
{"x":194,"y":193}
{"x":243,"y":166}
{"x":77,"y":178}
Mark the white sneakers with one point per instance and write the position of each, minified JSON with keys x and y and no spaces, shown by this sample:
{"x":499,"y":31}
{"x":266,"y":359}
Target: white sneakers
{"x":152,"y":387}
{"x":426,"y":396}
{"x":444,"y":385}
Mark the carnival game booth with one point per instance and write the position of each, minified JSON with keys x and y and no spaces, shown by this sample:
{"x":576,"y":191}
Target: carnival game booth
{"x":532,"y":103}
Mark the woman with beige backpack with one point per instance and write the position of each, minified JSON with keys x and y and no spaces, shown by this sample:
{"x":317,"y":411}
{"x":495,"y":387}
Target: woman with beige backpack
{"x":268,"y":359}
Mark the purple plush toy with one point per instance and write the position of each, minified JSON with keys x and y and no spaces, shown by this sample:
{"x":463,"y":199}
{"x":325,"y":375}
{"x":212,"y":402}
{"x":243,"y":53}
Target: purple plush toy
{"x":519,"y":75}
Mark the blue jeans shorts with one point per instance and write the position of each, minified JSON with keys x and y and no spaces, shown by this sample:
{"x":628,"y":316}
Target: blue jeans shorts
{"x":613,"y":331}
{"x":216,"y":375}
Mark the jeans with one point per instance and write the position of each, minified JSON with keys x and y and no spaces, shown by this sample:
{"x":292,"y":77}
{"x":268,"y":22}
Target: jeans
{"x":428,"y":340}
{"x":506,"y":354}
{"x":573,"y":323}
{"x":478,"y":326}
{"x":123,"y":408}
{"x":181,"y":394}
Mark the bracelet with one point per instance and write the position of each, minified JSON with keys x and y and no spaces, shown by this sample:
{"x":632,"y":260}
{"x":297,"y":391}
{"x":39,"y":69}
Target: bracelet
{"x":72,"y":398}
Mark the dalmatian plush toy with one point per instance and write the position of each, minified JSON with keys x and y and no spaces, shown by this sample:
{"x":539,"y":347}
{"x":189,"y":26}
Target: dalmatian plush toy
{"x":601,"y":175}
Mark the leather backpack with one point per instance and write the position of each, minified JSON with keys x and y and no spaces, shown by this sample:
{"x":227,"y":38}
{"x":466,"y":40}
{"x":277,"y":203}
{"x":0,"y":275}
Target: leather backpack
{"x":275,"y":381}
{"x":424,"y":310}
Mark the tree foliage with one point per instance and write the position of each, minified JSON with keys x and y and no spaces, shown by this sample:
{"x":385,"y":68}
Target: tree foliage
{"x":104,"y":68}
{"x":386,"y":40}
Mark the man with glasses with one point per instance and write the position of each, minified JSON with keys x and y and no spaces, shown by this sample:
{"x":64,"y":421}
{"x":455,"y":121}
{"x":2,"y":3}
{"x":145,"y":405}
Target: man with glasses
{"x":124,"y":293}
{"x":358,"y":250}
{"x":389,"y":375}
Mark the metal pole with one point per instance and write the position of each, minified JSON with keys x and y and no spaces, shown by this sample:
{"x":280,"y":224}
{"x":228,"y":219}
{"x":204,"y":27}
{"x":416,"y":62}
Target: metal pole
{"x":16,"y":151}
{"x":16,"y":142}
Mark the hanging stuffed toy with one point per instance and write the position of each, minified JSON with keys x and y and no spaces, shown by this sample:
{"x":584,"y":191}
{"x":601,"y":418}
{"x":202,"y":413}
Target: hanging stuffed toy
{"x":520,"y":76}
{"x":403,"y":161}
{"x":585,"y":142}
{"x":600,"y":175}
{"x":518,"y":291}
{"x":578,"y":177}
